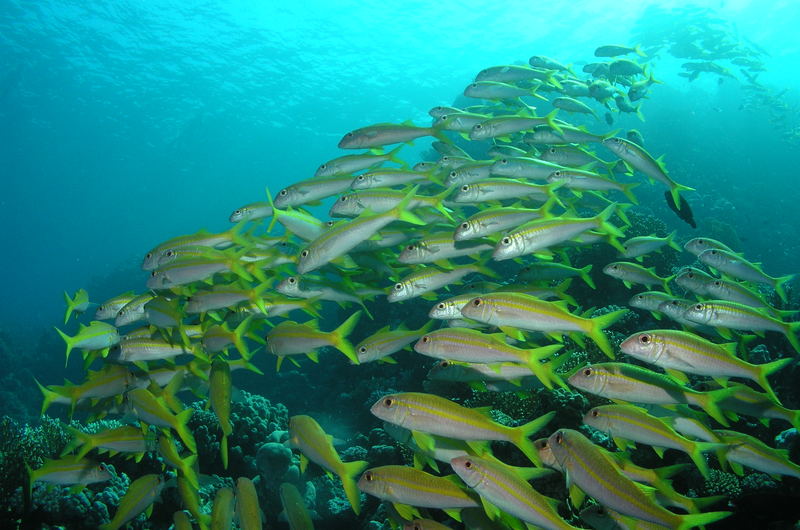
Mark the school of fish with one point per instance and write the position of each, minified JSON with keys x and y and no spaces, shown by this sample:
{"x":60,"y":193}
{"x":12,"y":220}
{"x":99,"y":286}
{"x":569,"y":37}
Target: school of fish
{"x":481,"y":241}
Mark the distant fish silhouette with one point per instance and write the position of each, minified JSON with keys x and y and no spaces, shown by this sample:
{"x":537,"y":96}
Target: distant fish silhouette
{"x":685,"y":213}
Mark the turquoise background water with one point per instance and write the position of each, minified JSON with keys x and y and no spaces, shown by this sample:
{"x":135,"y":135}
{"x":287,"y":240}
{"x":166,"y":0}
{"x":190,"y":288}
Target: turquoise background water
{"x":125,"y":123}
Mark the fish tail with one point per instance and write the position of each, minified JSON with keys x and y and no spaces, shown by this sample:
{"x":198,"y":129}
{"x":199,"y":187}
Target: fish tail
{"x":708,"y":402}
{"x":401,"y":211}
{"x":791,"y":334}
{"x":700,"y":519}
{"x":675,"y":190}
{"x":71,"y":304}
{"x":603,"y":217}
{"x":665,"y":472}
{"x":188,"y":469}
{"x":520,"y":436}
{"x":626,"y":189}
{"x":584,"y":274}
{"x":698,"y":504}
{"x":275,"y":211}
{"x":182,"y":428}
{"x":237,"y":237}
{"x":544,"y":372}
{"x":340,"y":334}
{"x":79,"y":439}
{"x":765,"y":370}
{"x":349,"y":481}
{"x":239,"y":334}
{"x":69,"y":341}
{"x":48,"y":395}
{"x":551,"y":122}
{"x":779,"y":290}
{"x":695,"y":452}
{"x":168,"y":394}
{"x":665,"y":283}
{"x":638,"y":51}
{"x":439,"y":199}
{"x":394,"y":158}
{"x":598,"y":324}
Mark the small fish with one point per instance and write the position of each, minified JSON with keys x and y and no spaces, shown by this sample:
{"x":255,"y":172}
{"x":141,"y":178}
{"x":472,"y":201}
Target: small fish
{"x":431,"y":414}
{"x":514,"y":311}
{"x":438,"y":248}
{"x":218,"y":241}
{"x":505,"y":490}
{"x":694,"y":280}
{"x":627,"y":422}
{"x":641,"y":160}
{"x":248,"y":511}
{"x":745,"y":450}
{"x":640,"y":385}
{"x":349,"y":164}
{"x":502,"y":127}
{"x":290,"y":338}
{"x":721,"y":314}
{"x":490,"y":221}
{"x":547,"y":271}
{"x":69,"y":471}
{"x":96,"y":336}
{"x":689,"y":353}
{"x":632,"y":273}
{"x":572,"y":105}
{"x":306,"y":435}
{"x":125,"y":439}
{"x":698,"y":245}
{"x":614,"y":50}
{"x":111,"y":307}
{"x":150,"y":409}
{"x":251,"y":212}
{"x":222,"y":509}
{"x":738,"y":267}
{"x":494,"y":90}
{"x":636,"y":247}
{"x":468,"y":345}
{"x":383,"y":134}
{"x":500,"y":189}
{"x":650,"y":301}
{"x":141,"y":495}
{"x":78,"y":304}
{"x":219,"y":399}
{"x":578,"y":180}
{"x":621,"y":67}
{"x":311,"y":190}
{"x":426,"y":279}
{"x":385,"y":342}
{"x":294,"y":507}
{"x":683,"y":210}
{"x":408,"y":486}
{"x":596,"y":475}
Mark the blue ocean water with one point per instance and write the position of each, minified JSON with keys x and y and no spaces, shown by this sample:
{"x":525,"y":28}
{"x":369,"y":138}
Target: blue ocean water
{"x":123,"y":124}
{"x":126,"y":123}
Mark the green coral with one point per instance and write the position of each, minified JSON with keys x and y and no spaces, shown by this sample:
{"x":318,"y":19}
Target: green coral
{"x":722,"y":483}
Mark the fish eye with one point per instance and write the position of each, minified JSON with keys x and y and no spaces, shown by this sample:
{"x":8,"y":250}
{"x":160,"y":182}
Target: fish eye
{"x":477,"y":302}
{"x":474,"y":85}
{"x":153,"y":274}
{"x":690,"y":275}
{"x":291,"y":279}
{"x":304,"y":253}
{"x":237,"y":212}
{"x":453,"y":174}
{"x":103,"y":467}
{"x":698,"y":307}
{"x":283,"y":192}
{"x":587,"y":371}
{"x":426,"y":339}
{"x":362,"y":349}
{"x":343,"y":198}
{"x":170,"y":253}
{"x":360,"y":177}
{"x":468,"y":464}
{"x":349,"y":135}
{"x":440,"y":305}
{"x":411,"y":247}
{"x":557,"y":173}
{"x":324,"y":166}
{"x":595,"y":413}
{"x":149,"y":255}
{"x":464,"y":225}
{"x":368,"y":476}
{"x":504,"y":161}
{"x":444,"y":364}
{"x":417,"y":526}
{"x":388,"y":402}
{"x":714,"y":252}
{"x":644,"y":339}
{"x":559,"y":438}
{"x":717,"y":283}
{"x":506,"y":241}
{"x":465,"y":187}
{"x":479,"y":126}
{"x":398,"y":287}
